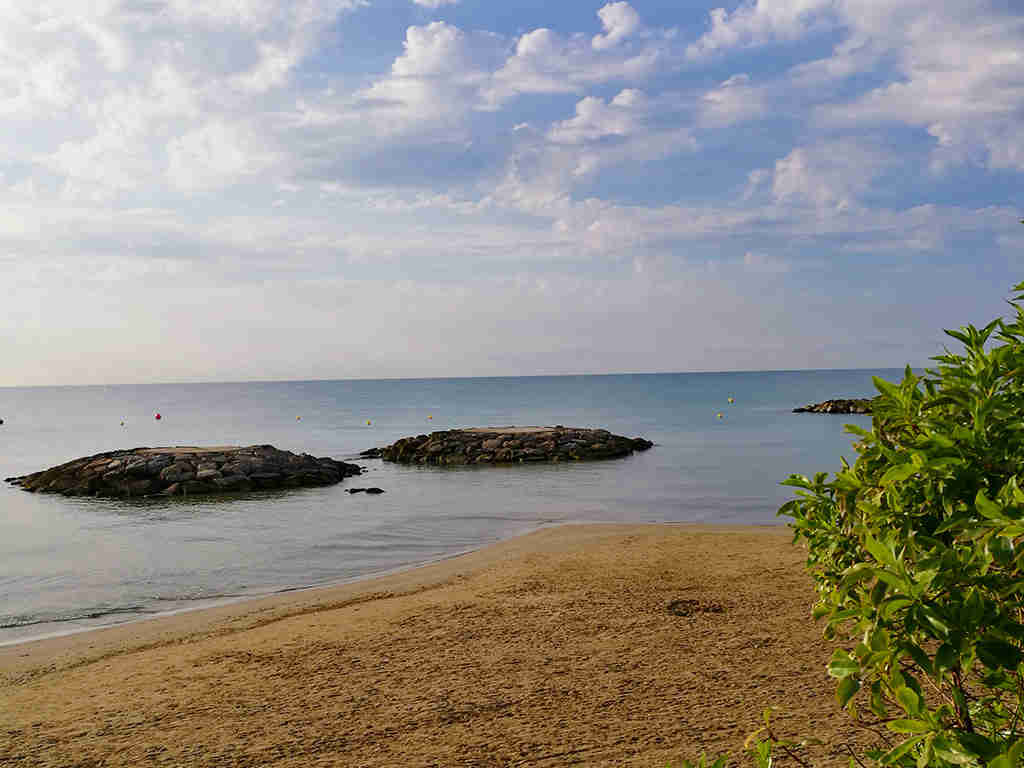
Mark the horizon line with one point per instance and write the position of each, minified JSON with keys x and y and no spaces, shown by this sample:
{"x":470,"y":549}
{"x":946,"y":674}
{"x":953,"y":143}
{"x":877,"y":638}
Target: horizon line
{"x":450,"y":378}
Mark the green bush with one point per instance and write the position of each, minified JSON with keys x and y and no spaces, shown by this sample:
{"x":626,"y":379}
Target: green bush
{"x":917,"y":554}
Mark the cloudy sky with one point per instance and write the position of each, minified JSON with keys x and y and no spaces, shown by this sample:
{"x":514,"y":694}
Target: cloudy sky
{"x":291,"y":189}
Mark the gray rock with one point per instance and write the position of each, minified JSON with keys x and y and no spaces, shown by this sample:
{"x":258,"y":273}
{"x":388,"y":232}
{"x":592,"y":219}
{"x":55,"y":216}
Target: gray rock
{"x":508,"y":445}
{"x":172,"y":471}
{"x":177,"y":473}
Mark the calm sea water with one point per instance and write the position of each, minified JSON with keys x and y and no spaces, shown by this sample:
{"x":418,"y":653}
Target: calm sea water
{"x":69,"y":564}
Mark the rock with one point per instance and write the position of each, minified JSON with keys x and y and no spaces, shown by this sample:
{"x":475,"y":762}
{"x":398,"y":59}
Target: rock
{"x":233,"y":483}
{"x":503,"y":445}
{"x":178,"y":471}
{"x":839,"y":405}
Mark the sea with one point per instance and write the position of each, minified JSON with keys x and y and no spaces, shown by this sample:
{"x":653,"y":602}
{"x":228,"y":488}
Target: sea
{"x":71,"y":564}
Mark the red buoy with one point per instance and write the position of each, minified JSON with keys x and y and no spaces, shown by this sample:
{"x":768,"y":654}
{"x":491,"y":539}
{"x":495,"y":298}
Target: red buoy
{"x":158,"y":417}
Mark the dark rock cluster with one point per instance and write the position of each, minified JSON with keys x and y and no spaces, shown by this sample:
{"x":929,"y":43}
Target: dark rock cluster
{"x":507,"y":445}
{"x":839,"y":405}
{"x":185,"y":471}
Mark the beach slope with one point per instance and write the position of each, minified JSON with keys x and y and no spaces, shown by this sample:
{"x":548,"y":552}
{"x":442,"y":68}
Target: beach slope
{"x":596,"y":645}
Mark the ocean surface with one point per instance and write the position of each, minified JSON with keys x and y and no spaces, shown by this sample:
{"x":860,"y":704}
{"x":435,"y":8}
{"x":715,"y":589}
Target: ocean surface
{"x":68,"y":564}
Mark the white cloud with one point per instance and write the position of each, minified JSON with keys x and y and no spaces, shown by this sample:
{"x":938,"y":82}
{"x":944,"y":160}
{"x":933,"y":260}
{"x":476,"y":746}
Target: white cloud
{"x":620,"y":21}
{"x":760,"y":22}
{"x":629,"y":131}
{"x":545,"y":62}
{"x":831,"y":174}
{"x":955,"y":70}
{"x":436,"y":80}
{"x":595,"y":119}
{"x":215,"y":155}
{"x":238,"y":148}
{"x":734,"y":100}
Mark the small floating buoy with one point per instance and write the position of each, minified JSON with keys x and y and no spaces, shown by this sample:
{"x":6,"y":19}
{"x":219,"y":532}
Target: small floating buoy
{"x":158,"y":417}
{"x":298,"y":418}
{"x":1,"y":421}
{"x":122,"y":423}
{"x":732,"y":400}
{"x":719,"y":415}
{"x":429,"y":417}
{"x":368,"y":422}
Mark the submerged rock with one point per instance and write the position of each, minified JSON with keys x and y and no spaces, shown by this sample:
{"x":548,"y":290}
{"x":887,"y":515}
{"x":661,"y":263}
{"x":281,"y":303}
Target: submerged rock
{"x":839,"y":405}
{"x":508,"y":445}
{"x":186,"y":471}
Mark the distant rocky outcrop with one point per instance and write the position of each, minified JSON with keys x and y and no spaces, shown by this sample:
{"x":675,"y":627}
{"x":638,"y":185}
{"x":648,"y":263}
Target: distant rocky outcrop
{"x":839,"y":405}
{"x":186,"y":471}
{"x":508,"y":445}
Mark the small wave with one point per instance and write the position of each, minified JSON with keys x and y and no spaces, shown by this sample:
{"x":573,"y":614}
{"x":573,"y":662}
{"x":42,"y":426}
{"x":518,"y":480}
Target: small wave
{"x":190,"y":598}
{"x":13,"y":622}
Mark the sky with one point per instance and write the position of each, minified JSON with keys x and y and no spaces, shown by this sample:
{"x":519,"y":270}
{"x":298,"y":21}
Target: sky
{"x":317,"y":189}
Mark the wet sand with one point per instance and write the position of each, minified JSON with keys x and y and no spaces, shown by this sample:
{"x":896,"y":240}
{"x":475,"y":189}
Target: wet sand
{"x":596,"y":645}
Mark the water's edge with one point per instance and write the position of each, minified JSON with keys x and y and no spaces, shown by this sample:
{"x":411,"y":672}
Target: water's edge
{"x":207,"y":604}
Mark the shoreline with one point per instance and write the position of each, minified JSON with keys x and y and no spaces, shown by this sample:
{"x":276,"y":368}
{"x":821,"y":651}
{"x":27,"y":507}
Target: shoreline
{"x":217,"y":602}
{"x":214,"y":603}
{"x":597,"y":644}
{"x":227,"y":600}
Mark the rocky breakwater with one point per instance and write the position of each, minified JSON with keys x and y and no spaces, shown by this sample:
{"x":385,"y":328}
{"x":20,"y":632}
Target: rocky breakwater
{"x":839,"y":405}
{"x":508,"y":445}
{"x":186,"y":471}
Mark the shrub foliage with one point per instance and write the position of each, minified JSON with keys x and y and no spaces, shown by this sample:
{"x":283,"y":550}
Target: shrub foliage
{"x":917,"y":553}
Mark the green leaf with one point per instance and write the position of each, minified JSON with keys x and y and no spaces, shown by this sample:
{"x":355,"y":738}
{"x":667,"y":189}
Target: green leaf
{"x":987,"y":507}
{"x":978,"y":745}
{"x":909,"y":726}
{"x":842,"y":664}
{"x":885,"y":387}
{"x":995,"y":652}
{"x":879,"y":640}
{"x":936,"y":622}
{"x":878,"y":593}
{"x":878,"y":700}
{"x":894,"y":604}
{"x":847,"y":687}
{"x":856,"y":574}
{"x":879,"y":551}
{"x":853,"y":429}
{"x":918,"y":655}
{"x":925,"y":758}
{"x":944,"y":463}
{"x":974,"y":609}
{"x":951,"y":752}
{"x":947,"y":657}
{"x":897,"y":474}
{"x":909,"y":700}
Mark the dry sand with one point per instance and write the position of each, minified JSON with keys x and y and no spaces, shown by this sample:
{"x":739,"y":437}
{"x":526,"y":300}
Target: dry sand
{"x":597,"y":645}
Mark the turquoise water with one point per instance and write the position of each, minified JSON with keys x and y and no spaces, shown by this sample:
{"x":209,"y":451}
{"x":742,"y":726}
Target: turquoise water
{"x":68,"y":564}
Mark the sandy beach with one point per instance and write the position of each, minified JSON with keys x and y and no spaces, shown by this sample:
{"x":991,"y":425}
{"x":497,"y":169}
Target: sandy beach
{"x":596,"y":645}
